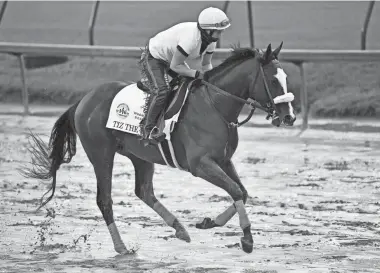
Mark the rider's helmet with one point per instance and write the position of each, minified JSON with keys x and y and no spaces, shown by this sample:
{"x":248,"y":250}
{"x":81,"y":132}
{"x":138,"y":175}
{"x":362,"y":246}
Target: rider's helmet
{"x":213,"y":19}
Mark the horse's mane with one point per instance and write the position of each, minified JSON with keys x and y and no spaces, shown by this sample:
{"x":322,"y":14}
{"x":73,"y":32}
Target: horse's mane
{"x":238,"y":54}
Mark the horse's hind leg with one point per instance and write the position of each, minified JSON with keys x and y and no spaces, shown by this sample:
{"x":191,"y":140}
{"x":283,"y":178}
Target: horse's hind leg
{"x":102,"y":157}
{"x":144,"y":190}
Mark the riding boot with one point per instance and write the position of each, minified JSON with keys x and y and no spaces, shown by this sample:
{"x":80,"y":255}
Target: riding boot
{"x":150,"y":130}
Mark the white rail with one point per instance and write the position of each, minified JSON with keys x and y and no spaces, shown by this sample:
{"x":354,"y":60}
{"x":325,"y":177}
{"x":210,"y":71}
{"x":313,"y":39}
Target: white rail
{"x":296,"y":56}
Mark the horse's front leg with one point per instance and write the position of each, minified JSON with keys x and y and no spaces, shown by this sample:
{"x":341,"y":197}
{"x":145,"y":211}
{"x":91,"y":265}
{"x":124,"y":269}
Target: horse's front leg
{"x":209,"y":170}
{"x":225,"y":216}
{"x":144,"y":171}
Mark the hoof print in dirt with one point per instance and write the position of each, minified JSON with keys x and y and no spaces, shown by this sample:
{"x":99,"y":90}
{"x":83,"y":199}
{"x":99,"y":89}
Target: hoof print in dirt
{"x":254,"y":160}
{"x":237,"y":245}
{"x":217,"y":198}
{"x":166,"y":238}
{"x":336,"y":165}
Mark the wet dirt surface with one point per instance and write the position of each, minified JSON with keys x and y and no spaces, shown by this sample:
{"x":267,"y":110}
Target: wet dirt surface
{"x":314,"y":205}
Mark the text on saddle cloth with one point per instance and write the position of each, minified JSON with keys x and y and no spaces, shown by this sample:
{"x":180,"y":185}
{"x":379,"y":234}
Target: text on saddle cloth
{"x":127,"y":111}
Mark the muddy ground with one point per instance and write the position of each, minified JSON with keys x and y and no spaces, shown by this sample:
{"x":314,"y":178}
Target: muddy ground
{"x":314,"y":205}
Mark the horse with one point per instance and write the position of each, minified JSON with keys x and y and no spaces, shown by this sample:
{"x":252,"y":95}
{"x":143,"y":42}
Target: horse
{"x":204,"y":139}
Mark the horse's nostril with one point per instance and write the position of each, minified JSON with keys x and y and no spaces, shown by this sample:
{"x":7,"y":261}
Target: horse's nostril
{"x":289,"y":120}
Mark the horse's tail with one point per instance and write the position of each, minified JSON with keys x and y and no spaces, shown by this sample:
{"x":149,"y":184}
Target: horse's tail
{"x":47,"y":158}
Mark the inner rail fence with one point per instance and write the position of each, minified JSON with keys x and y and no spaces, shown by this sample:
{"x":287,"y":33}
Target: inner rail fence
{"x":296,"y":56}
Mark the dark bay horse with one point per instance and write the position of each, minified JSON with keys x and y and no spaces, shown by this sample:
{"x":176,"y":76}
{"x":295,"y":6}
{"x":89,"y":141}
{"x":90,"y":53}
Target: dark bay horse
{"x":204,"y":140}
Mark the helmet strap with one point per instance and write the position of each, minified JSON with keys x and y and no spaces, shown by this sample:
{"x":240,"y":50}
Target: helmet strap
{"x":206,"y":38}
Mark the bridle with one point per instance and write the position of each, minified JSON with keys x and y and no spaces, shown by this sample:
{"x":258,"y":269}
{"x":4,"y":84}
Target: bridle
{"x":270,"y":108}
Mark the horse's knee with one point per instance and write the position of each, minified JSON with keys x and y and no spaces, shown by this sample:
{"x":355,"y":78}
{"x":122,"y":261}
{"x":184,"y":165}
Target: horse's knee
{"x":141,"y":192}
{"x":146,"y":195}
{"x":104,"y":203}
{"x":236,"y":193}
{"x":105,"y":206}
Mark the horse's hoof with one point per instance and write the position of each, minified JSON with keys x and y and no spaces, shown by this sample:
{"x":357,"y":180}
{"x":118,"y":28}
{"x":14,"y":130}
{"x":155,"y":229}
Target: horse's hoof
{"x":183,"y":235}
{"x":180,"y":231}
{"x":207,"y":223}
{"x":247,"y":244}
{"x":121,"y":249}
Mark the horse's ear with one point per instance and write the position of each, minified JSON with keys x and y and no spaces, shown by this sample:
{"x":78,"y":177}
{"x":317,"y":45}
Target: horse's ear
{"x":277,"y":51}
{"x":268,"y":52}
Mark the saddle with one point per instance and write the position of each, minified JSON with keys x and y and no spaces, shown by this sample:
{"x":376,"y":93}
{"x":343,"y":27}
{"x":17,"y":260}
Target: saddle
{"x":173,"y":105}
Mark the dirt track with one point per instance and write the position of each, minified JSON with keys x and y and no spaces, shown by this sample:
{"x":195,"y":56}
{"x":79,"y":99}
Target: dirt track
{"x":314,"y":205}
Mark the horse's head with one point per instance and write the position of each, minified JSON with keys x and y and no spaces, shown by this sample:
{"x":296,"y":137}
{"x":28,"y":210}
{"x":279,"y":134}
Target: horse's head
{"x":252,"y":74}
{"x":270,"y":88}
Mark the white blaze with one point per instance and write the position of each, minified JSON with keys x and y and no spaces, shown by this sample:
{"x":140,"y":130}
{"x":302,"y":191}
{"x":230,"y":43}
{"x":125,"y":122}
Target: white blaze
{"x":281,"y":77}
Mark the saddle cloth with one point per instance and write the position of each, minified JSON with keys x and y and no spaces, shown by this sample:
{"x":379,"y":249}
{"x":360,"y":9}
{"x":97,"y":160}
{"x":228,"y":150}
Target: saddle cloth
{"x":127,"y":109}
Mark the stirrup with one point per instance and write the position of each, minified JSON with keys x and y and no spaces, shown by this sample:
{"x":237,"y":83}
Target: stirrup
{"x":151,"y":138}
{"x":144,"y":133}
{"x":156,"y":135}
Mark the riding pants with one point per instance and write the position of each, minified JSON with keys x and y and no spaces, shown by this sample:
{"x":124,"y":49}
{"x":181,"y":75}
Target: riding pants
{"x":157,"y":74}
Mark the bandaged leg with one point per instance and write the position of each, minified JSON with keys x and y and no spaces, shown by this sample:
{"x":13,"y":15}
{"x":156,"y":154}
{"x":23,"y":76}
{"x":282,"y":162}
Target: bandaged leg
{"x":164,"y":213}
{"x":172,"y":221}
{"x":243,"y":217}
{"x":225,"y":216}
{"x":116,"y":239}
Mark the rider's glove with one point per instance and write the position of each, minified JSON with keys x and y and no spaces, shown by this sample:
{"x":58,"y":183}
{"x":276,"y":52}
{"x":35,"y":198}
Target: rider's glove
{"x":199,"y":75}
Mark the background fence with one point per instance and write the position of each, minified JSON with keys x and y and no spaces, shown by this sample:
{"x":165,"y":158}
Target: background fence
{"x":295,"y":56}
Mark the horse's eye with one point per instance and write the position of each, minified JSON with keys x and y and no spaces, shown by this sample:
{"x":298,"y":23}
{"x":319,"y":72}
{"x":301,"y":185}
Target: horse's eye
{"x":274,"y":82}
